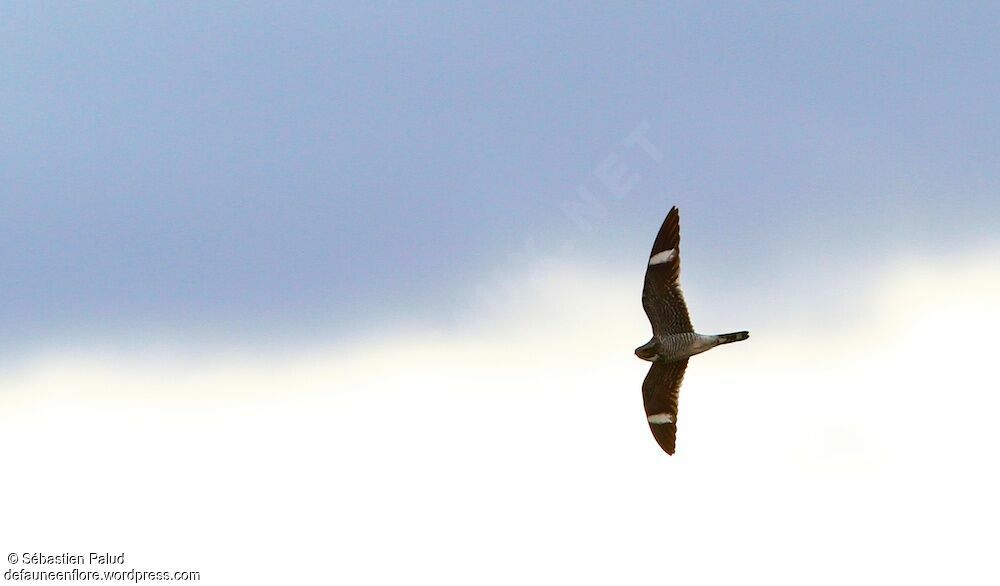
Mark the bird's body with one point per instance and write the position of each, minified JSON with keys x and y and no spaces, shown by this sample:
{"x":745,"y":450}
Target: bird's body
{"x":674,"y":339}
{"x":672,"y":347}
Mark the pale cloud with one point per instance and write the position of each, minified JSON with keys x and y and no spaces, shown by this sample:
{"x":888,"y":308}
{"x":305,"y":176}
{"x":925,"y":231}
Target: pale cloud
{"x":515,"y":448}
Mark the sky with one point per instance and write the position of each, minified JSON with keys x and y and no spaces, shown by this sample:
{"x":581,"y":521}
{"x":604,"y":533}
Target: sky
{"x":327,"y":291}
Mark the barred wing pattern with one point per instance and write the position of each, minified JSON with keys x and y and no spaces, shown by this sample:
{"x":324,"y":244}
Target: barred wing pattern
{"x":659,"y":395}
{"x":668,"y":314}
{"x":661,"y":294}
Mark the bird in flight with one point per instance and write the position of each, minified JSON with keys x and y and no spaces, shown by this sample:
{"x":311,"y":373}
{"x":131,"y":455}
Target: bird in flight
{"x":674,"y":340}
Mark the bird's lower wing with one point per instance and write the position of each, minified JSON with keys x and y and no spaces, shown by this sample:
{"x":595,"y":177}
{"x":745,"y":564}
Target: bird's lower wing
{"x":659,"y":395}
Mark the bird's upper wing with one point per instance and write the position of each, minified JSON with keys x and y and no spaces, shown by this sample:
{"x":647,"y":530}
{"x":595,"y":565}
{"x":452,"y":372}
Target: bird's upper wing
{"x":659,"y":395}
{"x":661,"y":294}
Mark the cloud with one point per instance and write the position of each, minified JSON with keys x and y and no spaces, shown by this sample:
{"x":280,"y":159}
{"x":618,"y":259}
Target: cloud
{"x":514,"y":446}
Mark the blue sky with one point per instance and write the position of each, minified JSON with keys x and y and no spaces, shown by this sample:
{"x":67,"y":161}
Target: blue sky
{"x":312,"y":169}
{"x":319,"y":281}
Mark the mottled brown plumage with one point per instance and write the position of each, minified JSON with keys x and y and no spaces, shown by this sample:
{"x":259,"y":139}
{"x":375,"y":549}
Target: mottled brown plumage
{"x":674,"y":339}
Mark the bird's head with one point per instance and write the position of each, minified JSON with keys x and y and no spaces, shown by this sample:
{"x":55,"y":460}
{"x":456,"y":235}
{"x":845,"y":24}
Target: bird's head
{"x":648,"y":350}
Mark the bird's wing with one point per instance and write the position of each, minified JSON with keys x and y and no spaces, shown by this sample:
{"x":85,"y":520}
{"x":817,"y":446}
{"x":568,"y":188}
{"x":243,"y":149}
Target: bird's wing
{"x":659,"y":395}
{"x":661,"y":294}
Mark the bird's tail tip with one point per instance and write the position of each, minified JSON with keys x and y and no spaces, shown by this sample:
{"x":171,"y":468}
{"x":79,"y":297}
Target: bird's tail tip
{"x":733,"y":337}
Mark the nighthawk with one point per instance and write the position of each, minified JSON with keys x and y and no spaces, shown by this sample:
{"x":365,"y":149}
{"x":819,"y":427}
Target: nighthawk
{"x":674,"y":340}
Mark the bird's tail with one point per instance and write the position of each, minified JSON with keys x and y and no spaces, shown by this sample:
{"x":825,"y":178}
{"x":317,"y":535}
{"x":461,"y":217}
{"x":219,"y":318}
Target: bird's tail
{"x":733,"y":337}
